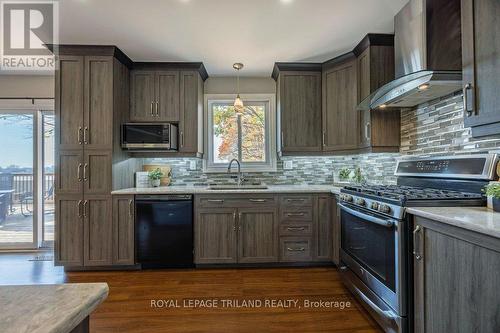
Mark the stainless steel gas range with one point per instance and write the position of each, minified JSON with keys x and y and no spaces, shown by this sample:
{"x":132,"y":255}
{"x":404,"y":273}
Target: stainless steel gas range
{"x":376,"y":233}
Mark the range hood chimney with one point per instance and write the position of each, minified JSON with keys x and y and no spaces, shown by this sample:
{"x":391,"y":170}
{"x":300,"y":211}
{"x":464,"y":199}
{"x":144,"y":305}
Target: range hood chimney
{"x":428,"y":55}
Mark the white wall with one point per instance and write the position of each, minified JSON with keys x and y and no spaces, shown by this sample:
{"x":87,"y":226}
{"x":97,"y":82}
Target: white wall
{"x":248,"y":85}
{"x":31,"y":86}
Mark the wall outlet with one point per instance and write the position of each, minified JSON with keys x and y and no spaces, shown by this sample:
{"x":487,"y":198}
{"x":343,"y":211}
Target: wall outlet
{"x":287,"y":165}
{"x":192,"y":165}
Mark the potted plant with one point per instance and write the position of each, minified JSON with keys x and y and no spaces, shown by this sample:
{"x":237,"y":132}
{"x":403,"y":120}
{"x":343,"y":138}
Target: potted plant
{"x":493,"y":190}
{"x":155,"y":176}
{"x":344,"y":175}
{"x":358,"y":176}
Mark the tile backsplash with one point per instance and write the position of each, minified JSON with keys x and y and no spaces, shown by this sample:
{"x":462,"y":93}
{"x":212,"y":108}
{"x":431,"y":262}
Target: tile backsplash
{"x":433,"y":128}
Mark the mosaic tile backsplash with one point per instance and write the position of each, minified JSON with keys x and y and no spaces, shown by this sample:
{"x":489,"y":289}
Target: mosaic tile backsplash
{"x":433,"y":128}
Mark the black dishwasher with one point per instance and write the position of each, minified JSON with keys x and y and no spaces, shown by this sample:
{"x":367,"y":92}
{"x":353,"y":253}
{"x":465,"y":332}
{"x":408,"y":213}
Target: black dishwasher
{"x":164,"y":230}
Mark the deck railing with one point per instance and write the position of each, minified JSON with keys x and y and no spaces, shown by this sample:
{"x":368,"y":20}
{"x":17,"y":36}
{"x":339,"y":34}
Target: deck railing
{"x":22,"y":184}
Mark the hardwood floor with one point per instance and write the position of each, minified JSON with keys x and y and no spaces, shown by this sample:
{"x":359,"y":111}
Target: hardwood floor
{"x":128,"y":307}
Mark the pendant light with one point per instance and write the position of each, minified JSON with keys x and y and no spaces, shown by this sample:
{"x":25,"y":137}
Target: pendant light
{"x":238,"y":103}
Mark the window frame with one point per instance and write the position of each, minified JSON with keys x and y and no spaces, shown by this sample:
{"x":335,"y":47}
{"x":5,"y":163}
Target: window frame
{"x":270,"y":133}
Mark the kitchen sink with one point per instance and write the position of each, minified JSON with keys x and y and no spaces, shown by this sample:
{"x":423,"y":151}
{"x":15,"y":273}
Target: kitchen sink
{"x":237,"y":187}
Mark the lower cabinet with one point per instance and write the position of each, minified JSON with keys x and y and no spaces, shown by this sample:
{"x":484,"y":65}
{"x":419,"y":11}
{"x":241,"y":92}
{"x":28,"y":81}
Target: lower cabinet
{"x":456,"y":279}
{"x":97,"y":231}
{"x":257,"y":235}
{"x":123,"y":230}
{"x":69,"y":230}
{"x":323,"y":246}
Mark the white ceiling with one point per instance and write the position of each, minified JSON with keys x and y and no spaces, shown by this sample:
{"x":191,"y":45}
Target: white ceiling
{"x":221,"y":32}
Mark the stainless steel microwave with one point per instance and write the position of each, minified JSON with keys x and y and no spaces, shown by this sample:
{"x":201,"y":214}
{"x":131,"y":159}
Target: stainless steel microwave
{"x":149,"y":136}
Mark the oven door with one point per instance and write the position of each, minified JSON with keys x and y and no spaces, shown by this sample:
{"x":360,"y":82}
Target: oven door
{"x":372,"y":248}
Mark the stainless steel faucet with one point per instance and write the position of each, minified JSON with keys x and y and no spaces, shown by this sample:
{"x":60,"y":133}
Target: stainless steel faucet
{"x":240,"y":178}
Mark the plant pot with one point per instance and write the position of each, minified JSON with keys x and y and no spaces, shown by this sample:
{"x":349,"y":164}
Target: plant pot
{"x":496,"y":204}
{"x":155,"y":182}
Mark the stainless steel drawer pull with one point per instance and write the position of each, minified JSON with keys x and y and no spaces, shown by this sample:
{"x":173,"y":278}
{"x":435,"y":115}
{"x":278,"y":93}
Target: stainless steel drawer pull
{"x":296,"y":200}
{"x":79,"y":135}
{"x":79,"y":171}
{"x":157,"y":113}
{"x":234,"y":221}
{"x":85,"y":208}
{"x":468,"y":112}
{"x":357,"y":248}
{"x":79,"y":205}
{"x":130,"y":209}
{"x":416,"y":243}
{"x":85,"y":166}
{"x":295,"y":214}
{"x":85,"y":133}
{"x":298,"y":249}
{"x":295,"y":228}
{"x":151,"y":109}
{"x":215,"y":200}
{"x":257,"y":200}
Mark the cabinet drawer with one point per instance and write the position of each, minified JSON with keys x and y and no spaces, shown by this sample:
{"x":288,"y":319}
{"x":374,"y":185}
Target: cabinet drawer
{"x":237,"y":202}
{"x":295,"y":249}
{"x":296,"y":229}
{"x":296,"y":215}
{"x":296,"y":201}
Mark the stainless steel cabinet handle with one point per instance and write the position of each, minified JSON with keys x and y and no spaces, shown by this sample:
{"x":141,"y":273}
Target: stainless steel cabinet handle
{"x":468,"y":112}
{"x":79,"y":171}
{"x":85,"y":166}
{"x":85,"y":208}
{"x":295,"y":228}
{"x":295,"y":214}
{"x":85,"y":133}
{"x":182,"y":138}
{"x":215,"y":200}
{"x":79,"y":135}
{"x":357,"y":248}
{"x":299,"y":249}
{"x":257,"y":200}
{"x":151,"y":109}
{"x":234,"y":221}
{"x":299,"y":200}
{"x":79,"y":205}
{"x":324,"y":142}
{"x":157,"y":113}
{"x":282,"y":140}
{"x":130,"y":209}
{"x":416,"y":243}
{"x":240,"y":215}
{"x":367,"y":131}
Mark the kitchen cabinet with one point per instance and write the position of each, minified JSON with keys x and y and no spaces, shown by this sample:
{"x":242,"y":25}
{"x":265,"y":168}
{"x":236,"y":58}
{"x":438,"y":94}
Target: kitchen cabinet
{"x":379,"y":129}
{"x":123,"y":230}
{"x":299,"y":111}
{"x":191,"y":113}
{"x":88,"y":92}
{"x":257,"y":235}
{"x":455,"y":279}
{"x":323,"y":236}
{"x":340,"y":117}
{"x":481,"y":68}
{"x":335,"y":220}
{"x":154,"y":96}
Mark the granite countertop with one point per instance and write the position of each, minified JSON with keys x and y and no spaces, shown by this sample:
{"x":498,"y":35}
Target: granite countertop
{"x":48,"y":308}
{"x":206,"y":189}
{"x":478,"y":219}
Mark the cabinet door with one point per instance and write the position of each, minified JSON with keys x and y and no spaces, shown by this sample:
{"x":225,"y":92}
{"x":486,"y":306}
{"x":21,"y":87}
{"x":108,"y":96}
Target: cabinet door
{"x":258,"y":235}
{"x":98,"y":103}
{"x":68,"y":245}
{"x":456,"y":285}
{"x":481,"y":68}
{"x":123,"y":230}
{"x":69,"y":171}
{"x":323,"y":230}
{"x":340,"y":117}
{"x":97,"y":168}
{"x":300,"y":111}
{"x":69,"y":102}
{"x":335,"y":232}
{"x":190,"y":108}
{"x":97,"y":233}
{"x":167,"y":96}
{"x":215,"y":236}
{"x":142,"y":96}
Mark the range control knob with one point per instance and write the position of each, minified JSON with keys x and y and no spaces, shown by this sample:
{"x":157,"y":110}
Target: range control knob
{"x":348,"y":198}
{"x":385,"y":209}
{"x":360,"y":201}
{"x":374,"y":205}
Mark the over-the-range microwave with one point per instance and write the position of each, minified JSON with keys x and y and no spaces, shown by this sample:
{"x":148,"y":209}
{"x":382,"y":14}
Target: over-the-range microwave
{"x":149,"y":136}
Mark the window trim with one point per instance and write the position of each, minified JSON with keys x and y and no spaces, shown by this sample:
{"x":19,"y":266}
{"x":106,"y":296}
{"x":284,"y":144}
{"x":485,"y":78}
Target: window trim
{"x":271,"y":165}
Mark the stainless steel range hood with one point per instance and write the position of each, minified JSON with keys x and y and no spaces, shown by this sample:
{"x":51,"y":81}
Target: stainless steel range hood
{"x":428,"y":56}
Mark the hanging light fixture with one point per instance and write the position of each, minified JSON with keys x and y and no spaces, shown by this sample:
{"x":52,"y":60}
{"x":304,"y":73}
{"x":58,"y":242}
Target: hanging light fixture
{"x":238,"y":103}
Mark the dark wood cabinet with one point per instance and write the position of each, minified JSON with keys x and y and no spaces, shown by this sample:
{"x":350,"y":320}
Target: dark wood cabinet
{"x":481,"y":67}
{"x":96,"y":172}
{"x":335,"y":220}
{"x":340,"y":117}
{"x":257,"y":235}
{"x":379,"y":129}
{"x":191,"y":113}
{"x":216,"y":236}
{"x":167,"y":95}
{"x":69,"y":171}
{"x":68,"y":244}
{"x":323,"y":229}
{"x":123,"y":230}
{"x":455,"y":279}
{"x":299,"y":111}
{"x":97,"y":231}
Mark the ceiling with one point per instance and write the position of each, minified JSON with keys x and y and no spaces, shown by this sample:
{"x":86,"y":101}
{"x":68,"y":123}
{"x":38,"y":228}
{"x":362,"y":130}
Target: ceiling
{"x":221,"y":32}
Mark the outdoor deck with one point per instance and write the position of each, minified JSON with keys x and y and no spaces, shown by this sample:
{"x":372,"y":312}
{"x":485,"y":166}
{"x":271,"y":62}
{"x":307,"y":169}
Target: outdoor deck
{"x":17,"y":228}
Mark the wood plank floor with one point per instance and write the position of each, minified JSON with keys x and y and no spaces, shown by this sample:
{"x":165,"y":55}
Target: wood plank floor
{"x":128,"y":307}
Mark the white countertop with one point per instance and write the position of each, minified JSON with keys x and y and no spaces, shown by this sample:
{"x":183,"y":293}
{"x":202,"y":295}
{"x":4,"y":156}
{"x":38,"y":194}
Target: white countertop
{"x":206,"y":190}
{"x":48,"y":308}
{"x":479,"y":219}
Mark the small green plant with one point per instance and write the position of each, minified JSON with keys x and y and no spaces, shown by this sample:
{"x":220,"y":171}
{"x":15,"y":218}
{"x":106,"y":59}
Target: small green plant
{"x":344,"y":174}
{"x":493,"y":190}
{"x":155,"y":174}
{"x":358,"y":176}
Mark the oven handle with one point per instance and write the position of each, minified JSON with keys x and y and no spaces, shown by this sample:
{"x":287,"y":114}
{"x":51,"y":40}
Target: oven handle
{"x":385,"y":223}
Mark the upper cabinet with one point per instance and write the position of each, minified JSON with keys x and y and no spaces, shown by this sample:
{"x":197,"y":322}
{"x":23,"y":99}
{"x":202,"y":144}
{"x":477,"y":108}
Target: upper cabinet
{"x":481,"y":68}
{"x":299,"y":110}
